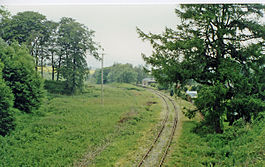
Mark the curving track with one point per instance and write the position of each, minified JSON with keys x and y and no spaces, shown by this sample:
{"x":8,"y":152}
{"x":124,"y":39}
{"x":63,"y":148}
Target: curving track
{"x":166,"y":126}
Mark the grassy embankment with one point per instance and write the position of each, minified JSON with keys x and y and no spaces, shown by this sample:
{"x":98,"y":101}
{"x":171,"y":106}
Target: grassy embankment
{"x":241,"y":145}
{"x":70,"y":130}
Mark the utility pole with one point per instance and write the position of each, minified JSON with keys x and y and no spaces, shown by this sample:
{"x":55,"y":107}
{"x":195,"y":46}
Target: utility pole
{"x":102,"y":101}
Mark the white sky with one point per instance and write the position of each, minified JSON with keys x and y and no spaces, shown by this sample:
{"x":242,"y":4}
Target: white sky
{"x":38,"y":2}
{"x":114,"y":25}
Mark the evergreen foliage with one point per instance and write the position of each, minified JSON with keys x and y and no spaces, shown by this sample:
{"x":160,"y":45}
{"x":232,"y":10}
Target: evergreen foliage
{"x":220,"y":46}
{"x":19,"y":75}
{"x":6,"y":104}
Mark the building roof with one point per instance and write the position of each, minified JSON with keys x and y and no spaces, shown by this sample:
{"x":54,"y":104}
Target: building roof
{"x":149,"y":79}
{"x":193,"y":94}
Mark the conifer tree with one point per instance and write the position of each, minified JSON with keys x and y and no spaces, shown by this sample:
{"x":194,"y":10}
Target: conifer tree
{"x":220,"y":46}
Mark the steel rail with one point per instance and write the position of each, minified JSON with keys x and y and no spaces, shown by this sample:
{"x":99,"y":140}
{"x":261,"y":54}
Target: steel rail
{"x":159,"y":133}
{"x":163,"y":157}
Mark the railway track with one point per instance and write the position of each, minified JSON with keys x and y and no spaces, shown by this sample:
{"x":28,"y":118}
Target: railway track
{"x":162,"y":156}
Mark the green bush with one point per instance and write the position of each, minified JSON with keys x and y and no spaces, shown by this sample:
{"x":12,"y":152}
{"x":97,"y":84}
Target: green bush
{"x":56,"y":87}
{"x":6,"y":103}
{"x":20,"y":76}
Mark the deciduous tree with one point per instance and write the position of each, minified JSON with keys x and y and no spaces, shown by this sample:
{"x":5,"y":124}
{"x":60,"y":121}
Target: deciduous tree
{"x":26,"y":27}
{"x":75,"y":41}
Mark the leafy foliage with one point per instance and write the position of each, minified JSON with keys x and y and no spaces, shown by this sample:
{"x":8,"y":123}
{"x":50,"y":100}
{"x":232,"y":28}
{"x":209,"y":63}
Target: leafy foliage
{"x":6,"y":104}
{"x":24,"y":27}
{"x":97,"y":75}
{"x":121,"y":73}
{"x":220,"y":46}
{"x":62,"y":45}
{"x":19,"y":75}
{"x":56,"y":87}
{"x":75,"y":40}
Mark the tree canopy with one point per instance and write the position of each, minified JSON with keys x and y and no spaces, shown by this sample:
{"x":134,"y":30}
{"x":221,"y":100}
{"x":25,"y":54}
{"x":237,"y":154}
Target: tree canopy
{"x":220,"y":46}
{"x":74,"y":41}
{"x":121,"y":73}
{"x":63,"y":45}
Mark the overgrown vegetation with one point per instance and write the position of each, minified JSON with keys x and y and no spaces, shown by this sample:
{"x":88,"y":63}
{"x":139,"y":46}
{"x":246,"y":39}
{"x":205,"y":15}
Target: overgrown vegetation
{"x":220,"y":47}
{"x":239,"y":145}
{"x":68,"y":128}
{"x":21,"y":87}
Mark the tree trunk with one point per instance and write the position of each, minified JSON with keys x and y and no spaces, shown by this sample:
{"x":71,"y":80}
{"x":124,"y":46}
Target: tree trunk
{"x":36,"y":58}
{"x":218,"y":128}
{"x":42,"y":59}
{"x":74,"y":82}
{"x":58,"y":68}
{"x":52,"y":66}
{"x":217,"y":121}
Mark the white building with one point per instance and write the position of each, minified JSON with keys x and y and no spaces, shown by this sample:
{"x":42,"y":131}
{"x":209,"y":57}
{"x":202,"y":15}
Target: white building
{"x":148,"y":81}
{"x":193,"y":94}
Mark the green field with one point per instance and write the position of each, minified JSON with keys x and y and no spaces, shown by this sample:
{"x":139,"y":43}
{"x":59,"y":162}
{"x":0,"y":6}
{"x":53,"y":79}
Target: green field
{"x":78,"y":130}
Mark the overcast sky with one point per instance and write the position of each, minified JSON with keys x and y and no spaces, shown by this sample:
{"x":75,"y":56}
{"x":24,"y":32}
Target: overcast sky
{"x":114,"y":22}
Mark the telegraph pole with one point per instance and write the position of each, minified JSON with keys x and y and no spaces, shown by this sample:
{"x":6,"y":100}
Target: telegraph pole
{"x":102,"y":101}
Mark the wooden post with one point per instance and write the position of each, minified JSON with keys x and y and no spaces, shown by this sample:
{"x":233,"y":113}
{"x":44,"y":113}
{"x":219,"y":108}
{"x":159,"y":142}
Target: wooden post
{"x":102,"y":101}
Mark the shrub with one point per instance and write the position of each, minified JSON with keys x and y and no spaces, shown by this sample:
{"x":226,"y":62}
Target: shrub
{"x":20,"y":76}
{"x":6,"y":103}
{"x":56,"y":87}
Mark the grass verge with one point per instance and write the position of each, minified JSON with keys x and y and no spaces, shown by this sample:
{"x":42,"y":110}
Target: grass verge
{"x":240,"y":145}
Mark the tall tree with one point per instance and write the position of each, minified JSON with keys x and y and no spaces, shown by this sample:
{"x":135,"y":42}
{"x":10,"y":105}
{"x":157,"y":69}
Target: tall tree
{"x":97,"y":75}
{"x":220,"y":46}
{"x":48,"y":45}
{"x":74,"y":40}
{"x":52,"y":28}
{"x":26,"y":27}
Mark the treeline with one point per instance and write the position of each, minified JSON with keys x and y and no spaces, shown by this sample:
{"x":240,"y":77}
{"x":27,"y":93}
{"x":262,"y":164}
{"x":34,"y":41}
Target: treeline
{"x":62,"y":45}
{"x":221,"y":47}
{"x":29,"y":41}
{"x":121,"y":73}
